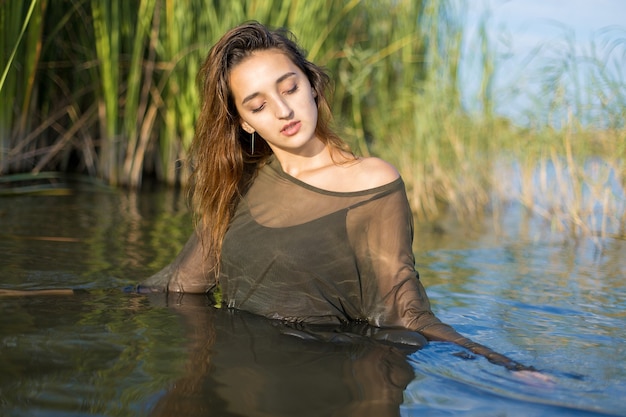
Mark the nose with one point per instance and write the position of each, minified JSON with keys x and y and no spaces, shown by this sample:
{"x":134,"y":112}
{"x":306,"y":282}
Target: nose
{"x":283,"y":110}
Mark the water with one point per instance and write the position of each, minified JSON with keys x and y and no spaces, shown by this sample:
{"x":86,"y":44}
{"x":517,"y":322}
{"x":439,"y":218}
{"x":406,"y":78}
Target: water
{"x":548,"y":301}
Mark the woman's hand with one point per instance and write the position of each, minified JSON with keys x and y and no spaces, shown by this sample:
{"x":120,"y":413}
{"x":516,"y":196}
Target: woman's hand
{"x":535,"y":378}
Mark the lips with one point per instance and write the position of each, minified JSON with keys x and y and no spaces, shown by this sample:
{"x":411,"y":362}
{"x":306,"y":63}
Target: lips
{"x":291,"y":129}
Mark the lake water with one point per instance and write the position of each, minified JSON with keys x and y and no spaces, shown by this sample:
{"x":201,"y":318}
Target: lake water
{"x":556,"y":303}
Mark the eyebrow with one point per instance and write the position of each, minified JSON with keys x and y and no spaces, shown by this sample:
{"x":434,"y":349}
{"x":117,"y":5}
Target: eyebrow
{"x":278,"y":81}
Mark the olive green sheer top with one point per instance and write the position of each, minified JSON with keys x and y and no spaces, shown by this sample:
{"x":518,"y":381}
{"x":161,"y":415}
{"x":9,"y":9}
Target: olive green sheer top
{"x":301,"y":254}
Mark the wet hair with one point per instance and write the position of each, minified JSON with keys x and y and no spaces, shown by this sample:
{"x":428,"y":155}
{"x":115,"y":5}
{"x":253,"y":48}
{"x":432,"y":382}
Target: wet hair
{"x":223,"y":165}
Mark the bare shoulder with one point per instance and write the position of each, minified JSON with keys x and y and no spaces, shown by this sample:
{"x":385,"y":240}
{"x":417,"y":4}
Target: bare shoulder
{"x":371,"y":172}
{"x":346,"y":173}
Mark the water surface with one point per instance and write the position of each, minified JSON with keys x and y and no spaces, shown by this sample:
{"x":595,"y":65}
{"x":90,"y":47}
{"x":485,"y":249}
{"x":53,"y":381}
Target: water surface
{"x":556,"y":303}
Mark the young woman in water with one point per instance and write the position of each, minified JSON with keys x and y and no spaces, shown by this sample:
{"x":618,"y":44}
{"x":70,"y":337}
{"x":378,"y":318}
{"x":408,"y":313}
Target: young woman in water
{"x":290,"y":224}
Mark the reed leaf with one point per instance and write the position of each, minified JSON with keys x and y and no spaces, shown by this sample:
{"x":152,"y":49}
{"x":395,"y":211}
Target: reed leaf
{"x":9,"y":11}
{"x":139,"y":82}
{"x":106,"y":23}
{"x":18,"y":20}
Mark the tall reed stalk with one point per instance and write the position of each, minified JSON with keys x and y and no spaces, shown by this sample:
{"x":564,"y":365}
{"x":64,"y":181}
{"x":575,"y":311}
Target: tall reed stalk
{"x":139,"y":109}
{"x":107,"y":24}
{"x":20,"y":50}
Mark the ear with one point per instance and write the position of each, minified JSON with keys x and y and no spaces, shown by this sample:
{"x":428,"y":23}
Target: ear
{"x":313,"y":92}
{"x":245,"y":126}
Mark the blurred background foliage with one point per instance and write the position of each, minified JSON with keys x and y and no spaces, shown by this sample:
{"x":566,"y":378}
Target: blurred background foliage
{"x":106,"y":88}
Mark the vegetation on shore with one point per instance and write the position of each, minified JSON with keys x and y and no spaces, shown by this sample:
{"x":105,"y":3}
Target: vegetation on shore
{"x":107,"y":89}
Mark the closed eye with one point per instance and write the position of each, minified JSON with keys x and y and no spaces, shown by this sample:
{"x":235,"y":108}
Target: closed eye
{"x":292,"y":90}
{"x":258,"y":109}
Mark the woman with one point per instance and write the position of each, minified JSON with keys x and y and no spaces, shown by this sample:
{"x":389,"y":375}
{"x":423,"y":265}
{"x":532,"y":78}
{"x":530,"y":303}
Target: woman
{"x":291,"y":224}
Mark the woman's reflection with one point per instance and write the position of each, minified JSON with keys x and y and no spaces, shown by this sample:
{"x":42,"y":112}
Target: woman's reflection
{"x":245,"y":365}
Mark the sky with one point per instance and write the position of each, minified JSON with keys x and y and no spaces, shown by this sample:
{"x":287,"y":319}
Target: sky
{"x":519,"y":27}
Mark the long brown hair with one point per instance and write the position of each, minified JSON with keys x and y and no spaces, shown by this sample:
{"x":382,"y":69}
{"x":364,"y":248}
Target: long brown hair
{"x":224,"y":166}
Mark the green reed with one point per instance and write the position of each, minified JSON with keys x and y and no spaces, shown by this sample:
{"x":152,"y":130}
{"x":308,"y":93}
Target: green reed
{"x":573,"y":158}
{"x":425,"y":132}
{"x":20,"y":50}
{"x":123,"y":99}
{"x":107,"y":25}
{"x":139,"y":110}
{"x":110,"y":91}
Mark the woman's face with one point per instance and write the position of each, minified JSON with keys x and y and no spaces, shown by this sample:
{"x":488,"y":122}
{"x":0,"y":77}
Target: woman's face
{"x":274,"y":98}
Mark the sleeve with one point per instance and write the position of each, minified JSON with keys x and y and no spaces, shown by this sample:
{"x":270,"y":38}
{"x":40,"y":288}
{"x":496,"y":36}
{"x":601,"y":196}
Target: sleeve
{"x":393,"y":295}
{"x":189,"y":272}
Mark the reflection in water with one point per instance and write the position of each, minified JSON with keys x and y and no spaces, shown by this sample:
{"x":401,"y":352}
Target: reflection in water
{"x":241,"y":364}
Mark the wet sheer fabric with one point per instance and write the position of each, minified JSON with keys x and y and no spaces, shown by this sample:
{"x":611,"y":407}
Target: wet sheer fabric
{"x":300,"y":254}
{"x":190,"y":272}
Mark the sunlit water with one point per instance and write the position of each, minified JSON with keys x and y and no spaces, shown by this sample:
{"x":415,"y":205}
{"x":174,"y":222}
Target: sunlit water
{"x":554,"y":303}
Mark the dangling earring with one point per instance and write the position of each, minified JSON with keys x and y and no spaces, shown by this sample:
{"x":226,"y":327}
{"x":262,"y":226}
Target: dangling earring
{"x":252,"y":144}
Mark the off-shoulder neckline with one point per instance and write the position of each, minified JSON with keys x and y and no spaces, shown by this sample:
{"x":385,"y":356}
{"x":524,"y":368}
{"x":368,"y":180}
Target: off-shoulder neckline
{"x":274,"y":164}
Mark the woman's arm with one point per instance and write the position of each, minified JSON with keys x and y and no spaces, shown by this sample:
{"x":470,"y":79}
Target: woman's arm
{"x":395,"y":296}
{"x":189,"y":272}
